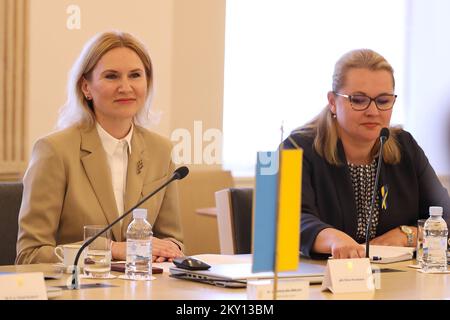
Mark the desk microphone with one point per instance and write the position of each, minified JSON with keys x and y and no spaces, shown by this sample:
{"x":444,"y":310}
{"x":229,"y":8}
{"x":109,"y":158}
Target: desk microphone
{"x":178,"y":174}
{"x":384,"y":135}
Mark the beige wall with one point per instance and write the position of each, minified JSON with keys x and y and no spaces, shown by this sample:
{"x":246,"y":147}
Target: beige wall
{"x":199,"y":47}
{"x":185,"y":40}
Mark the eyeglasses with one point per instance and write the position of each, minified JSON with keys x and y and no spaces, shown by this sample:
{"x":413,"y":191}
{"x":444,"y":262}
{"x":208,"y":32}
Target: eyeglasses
{"x":361,"y":102}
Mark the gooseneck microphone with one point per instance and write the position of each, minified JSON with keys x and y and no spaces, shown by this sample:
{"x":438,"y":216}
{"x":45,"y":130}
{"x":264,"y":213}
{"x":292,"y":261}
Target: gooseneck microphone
{"x":178,"y":174}
{"x":384,"y":135}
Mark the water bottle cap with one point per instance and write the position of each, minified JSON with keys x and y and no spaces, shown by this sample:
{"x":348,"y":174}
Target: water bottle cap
{"x":140,"y":213}
{"x":436,"y":211}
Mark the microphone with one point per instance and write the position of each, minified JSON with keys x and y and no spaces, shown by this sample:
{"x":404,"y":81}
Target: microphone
{"x":178,"y":174}
{"x":384,"y":135}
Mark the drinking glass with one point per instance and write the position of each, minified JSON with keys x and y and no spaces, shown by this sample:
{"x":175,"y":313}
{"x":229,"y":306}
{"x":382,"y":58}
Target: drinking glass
{"x":97,"y":263}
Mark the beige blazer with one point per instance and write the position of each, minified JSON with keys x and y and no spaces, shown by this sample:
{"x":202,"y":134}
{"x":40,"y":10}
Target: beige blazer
{"x":68,"y":185}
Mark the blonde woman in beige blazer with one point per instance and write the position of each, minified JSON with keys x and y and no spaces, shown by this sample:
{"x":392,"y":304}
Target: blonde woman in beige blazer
{"x":69,"y":184}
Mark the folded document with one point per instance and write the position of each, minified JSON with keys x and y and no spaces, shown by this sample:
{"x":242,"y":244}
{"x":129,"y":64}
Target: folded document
{"x":390,"y":254}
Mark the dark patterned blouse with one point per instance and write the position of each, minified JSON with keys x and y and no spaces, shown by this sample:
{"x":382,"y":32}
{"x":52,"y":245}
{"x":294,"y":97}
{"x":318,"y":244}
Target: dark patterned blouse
{"x":363,"y":180}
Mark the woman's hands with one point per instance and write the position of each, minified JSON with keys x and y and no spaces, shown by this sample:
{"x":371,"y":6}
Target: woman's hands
{"x":339,"y":244}
{"x":165,"y":250}
{"x":342,"y":246}
{"x":162,"y":250}
{"x":394,"y":237}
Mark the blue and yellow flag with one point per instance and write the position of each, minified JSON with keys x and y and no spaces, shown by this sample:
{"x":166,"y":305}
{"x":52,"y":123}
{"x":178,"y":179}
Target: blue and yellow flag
{"x":276,"y":210}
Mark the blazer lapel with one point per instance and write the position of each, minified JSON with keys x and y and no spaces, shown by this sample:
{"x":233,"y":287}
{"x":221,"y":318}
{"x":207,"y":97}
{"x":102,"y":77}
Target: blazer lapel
{"x":137,"y":168}
{"x":345,"y":194}
{"x":96,"y":165}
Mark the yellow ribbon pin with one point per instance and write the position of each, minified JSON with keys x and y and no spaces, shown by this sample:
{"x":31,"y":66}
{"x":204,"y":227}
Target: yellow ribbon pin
{"x":384,"y":194}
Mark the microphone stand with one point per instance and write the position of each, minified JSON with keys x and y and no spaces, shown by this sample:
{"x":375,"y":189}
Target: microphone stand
{"x":179,"y":174}
{"x":383,"y":139}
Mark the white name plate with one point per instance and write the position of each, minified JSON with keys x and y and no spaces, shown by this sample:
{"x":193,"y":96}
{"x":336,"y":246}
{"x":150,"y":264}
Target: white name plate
{"x":287,"y":289}
{"x":23,"y":286}
{"x":348,"y":275}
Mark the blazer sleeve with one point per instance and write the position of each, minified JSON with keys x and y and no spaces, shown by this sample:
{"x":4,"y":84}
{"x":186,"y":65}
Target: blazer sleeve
{"x":42,"y":200}
{"x":167,"y":224}
{"x":431,"y":191}
{"x":311,"y":224}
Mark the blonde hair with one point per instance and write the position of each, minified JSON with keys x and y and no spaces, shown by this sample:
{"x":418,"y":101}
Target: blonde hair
{"x":77,"y":110}
{"x":324,"y":128}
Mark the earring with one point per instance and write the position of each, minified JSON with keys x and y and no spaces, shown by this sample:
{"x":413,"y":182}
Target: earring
{"x":334,"y":115}
{"x":88,"y":97}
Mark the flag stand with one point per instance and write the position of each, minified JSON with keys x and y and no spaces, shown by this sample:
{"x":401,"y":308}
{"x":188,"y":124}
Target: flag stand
{"x":275,"y":262}
{"x":275,"y":284}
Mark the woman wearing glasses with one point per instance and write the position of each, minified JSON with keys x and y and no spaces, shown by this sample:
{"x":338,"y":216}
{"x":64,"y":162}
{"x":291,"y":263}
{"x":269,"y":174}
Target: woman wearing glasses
{"x":339,"y":165}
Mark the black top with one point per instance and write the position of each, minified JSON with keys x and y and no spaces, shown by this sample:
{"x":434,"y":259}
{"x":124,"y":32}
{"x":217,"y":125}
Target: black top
{"x":328,"y":199}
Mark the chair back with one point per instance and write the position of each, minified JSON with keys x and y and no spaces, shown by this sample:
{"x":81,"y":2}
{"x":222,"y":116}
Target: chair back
{"x":196,"y":192}
{"x":234,"y":219}
{"x":10,"y":200}
{"x":445,"y":180}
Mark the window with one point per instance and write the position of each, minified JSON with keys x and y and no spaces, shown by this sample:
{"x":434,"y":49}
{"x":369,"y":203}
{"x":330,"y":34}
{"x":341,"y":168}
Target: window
{"x":279,"y":59}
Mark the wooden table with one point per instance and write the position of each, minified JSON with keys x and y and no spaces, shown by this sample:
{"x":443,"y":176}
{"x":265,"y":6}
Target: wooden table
{"x":407,"y":284}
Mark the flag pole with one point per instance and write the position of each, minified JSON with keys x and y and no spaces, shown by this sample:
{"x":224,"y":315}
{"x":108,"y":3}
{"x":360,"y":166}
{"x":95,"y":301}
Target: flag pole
{"x":275,"y":278}
{"x":275,"y":262}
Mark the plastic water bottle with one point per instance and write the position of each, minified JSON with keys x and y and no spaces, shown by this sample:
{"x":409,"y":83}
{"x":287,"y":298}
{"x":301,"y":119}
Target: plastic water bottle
{"x":139,"y":247}
{"x":435,"y":242}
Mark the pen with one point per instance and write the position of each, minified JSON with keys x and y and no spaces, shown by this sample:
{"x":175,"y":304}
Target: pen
{"x":376,"y":258}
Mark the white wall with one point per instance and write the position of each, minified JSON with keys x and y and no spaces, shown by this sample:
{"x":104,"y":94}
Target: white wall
{"x":428,"y":65}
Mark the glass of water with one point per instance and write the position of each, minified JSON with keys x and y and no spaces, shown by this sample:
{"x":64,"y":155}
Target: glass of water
{"x":419,"y":250}
{"x":97,"y":263}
